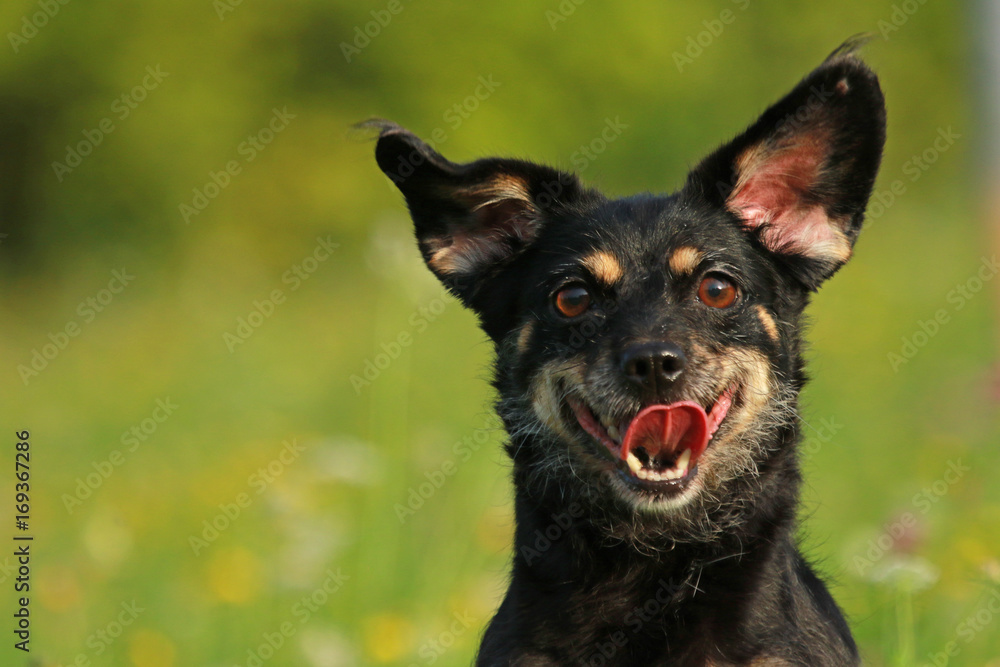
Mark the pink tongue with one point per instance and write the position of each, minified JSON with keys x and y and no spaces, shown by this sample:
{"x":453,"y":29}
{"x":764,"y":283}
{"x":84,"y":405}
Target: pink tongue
{"x":667,"y":430}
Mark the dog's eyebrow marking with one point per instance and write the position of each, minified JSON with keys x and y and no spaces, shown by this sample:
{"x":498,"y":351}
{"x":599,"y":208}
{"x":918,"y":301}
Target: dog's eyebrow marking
{"x":770,"y":326}
{"x":603,"y":266}
{"x":685,"y":260}
{"x":524,"y":336}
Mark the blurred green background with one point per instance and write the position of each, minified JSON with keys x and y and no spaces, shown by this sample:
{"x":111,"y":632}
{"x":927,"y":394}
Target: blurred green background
{"x":200,"y":452}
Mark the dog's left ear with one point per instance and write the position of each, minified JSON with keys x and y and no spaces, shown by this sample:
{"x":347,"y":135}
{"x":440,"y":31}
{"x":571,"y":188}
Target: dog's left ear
{"x":471,"y":219}
{"x":800,"y":177}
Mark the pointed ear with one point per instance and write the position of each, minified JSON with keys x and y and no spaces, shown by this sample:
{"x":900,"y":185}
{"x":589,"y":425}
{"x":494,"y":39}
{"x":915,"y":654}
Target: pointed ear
{"x":800,"y":177}
{"x":470,"y":219}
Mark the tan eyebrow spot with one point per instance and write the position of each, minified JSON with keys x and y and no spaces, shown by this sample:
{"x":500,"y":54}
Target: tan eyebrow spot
{"x":770,"y":326}
{"x":685,"y":260}
{"x":524,"y":336}
{"x":603,"y":266}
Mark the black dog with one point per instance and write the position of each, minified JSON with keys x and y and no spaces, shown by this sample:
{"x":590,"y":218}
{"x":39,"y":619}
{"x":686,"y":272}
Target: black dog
{"x":648,"y":368}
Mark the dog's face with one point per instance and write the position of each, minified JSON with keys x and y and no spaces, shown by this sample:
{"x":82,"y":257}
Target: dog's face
{"x":648,"y":348}
{"x":655,"y":346}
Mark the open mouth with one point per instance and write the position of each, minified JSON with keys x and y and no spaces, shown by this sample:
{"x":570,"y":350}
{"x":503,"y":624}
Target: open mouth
{"x":658,"y":448}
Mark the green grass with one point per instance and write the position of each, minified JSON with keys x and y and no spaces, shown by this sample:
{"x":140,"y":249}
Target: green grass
{"x":881,"y":435}
{"x":337,"y":506}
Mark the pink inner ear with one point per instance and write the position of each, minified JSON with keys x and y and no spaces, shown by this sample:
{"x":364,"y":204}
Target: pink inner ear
{"x":772,"y":191}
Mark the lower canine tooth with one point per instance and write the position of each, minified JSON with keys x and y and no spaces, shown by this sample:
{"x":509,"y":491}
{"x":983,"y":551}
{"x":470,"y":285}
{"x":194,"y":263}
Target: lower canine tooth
{"x":634,"y":463}
{"x":682,"y":462}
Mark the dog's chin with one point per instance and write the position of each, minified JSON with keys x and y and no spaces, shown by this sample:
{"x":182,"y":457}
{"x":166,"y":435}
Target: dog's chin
{"x":667,"y":481}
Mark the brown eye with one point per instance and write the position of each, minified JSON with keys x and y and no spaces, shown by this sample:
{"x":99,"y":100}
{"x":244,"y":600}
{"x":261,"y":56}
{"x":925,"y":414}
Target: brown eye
{"x":572,"y":301}
{"x":717,"y":292}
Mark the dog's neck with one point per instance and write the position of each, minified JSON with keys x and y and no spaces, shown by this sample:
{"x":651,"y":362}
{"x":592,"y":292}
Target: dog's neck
{"x":570,"y":569}
{"x":561,"y":539}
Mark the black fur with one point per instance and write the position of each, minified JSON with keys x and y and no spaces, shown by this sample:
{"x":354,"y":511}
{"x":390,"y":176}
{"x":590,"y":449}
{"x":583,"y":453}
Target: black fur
{"x":608,"y":569}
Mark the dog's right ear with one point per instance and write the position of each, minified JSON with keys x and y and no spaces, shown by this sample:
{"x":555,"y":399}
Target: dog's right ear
{"x":470,"y":219}
{"x":799,"y":178}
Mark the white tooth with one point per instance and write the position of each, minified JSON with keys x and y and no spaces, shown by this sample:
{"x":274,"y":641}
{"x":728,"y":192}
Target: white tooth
{"x":642,"y":473}
{"x":682,"y":463}
{"x":633,"y":463}
{"x":613,"y":432}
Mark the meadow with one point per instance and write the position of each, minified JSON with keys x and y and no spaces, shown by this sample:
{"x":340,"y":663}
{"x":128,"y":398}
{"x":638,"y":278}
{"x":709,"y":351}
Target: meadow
{"x":261,"y":432}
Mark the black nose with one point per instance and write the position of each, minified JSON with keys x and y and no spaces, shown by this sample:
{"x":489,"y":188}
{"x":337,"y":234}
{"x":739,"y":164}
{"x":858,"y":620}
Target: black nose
{"x":653,"y":365}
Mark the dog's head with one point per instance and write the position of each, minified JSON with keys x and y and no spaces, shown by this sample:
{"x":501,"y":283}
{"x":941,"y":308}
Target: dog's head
{"x":648,"y":347}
